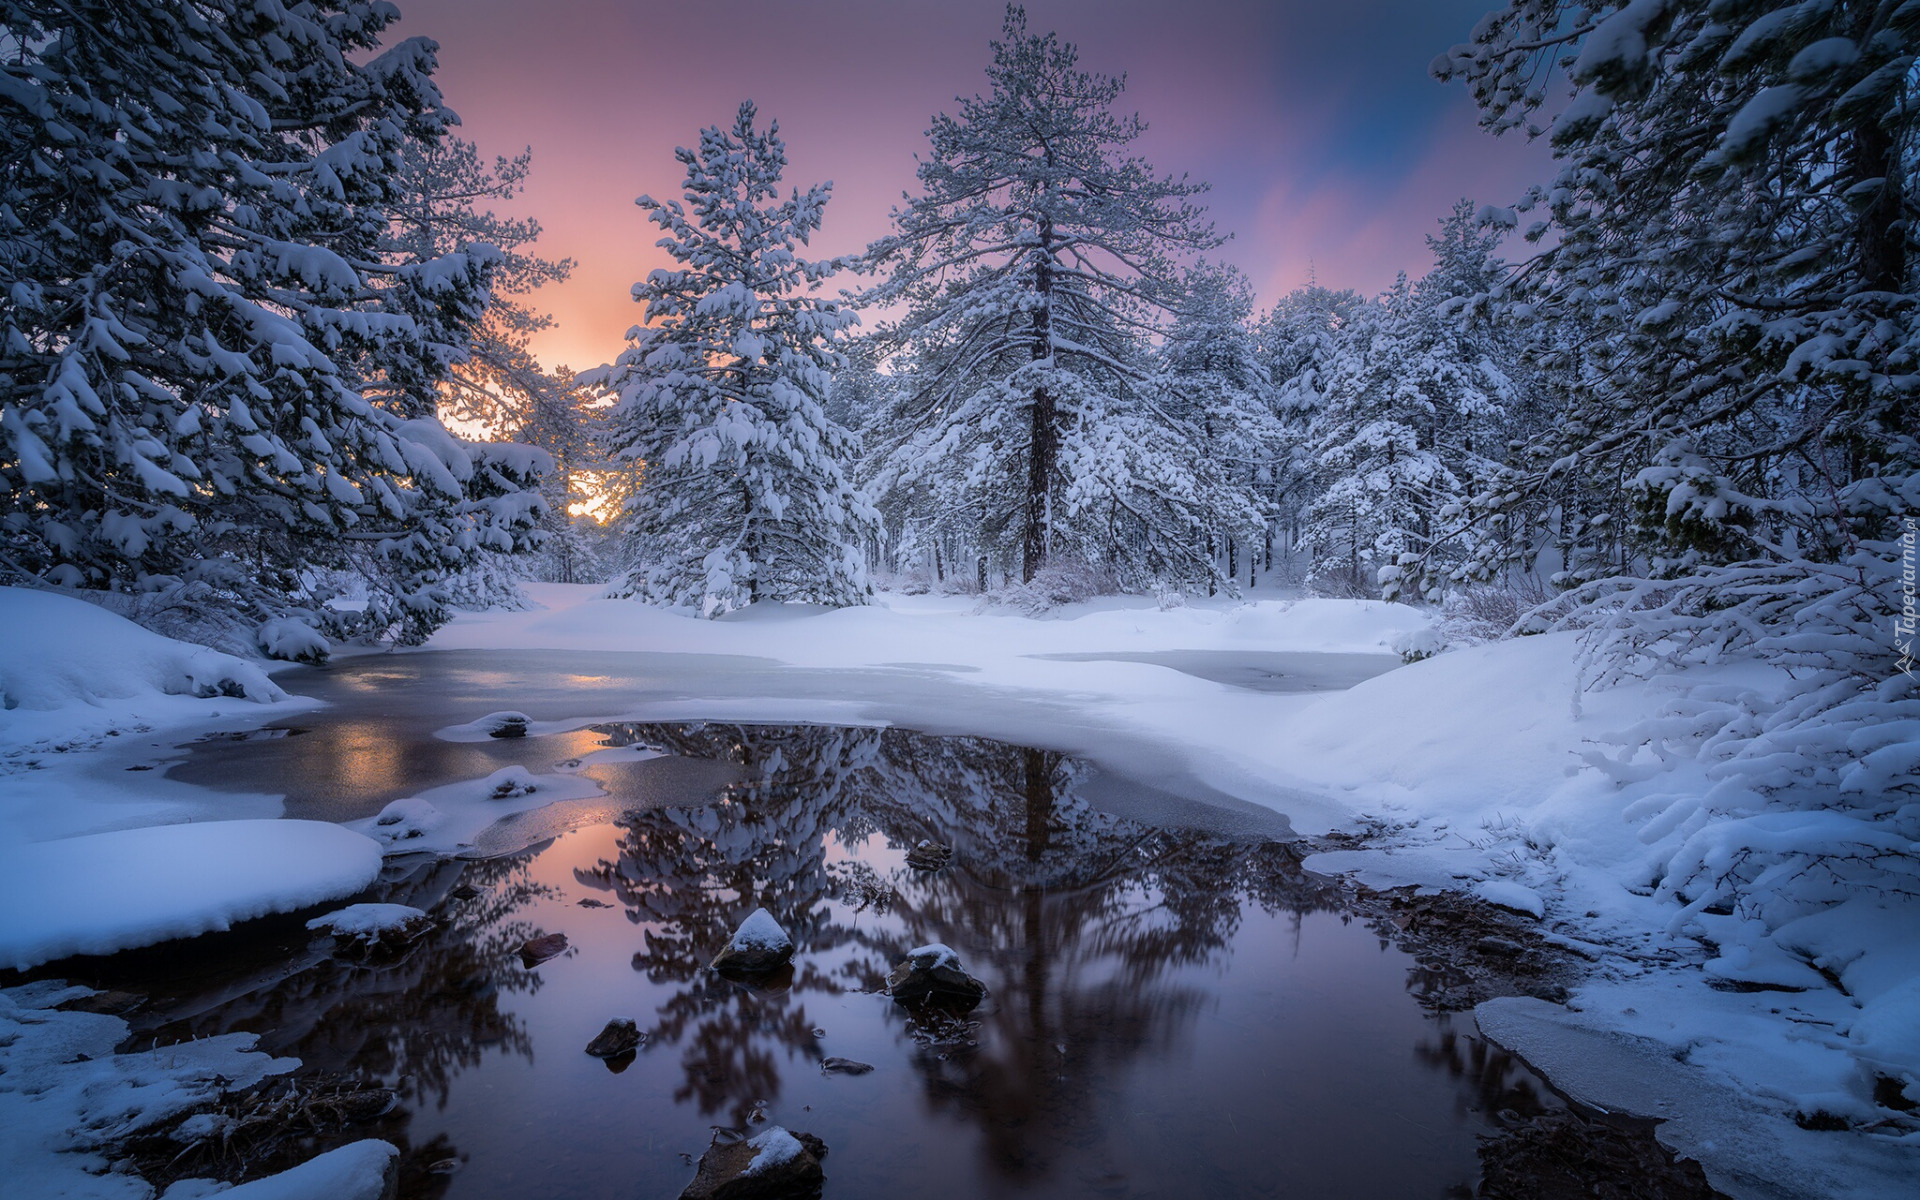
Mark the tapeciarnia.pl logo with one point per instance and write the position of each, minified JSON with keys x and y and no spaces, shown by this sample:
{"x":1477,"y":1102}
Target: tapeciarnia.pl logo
{"x":1903,"y":626}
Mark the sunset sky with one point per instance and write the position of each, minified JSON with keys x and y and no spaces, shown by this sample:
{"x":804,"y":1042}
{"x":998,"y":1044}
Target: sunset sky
{"x":1328,"y":146}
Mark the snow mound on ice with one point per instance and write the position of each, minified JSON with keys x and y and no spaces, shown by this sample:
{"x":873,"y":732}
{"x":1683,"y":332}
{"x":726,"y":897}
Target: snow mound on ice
{"x":450,"y":818}
{"x":133,"y":887}
{"x":1515,"y":896}
{"x":56,"y":650}
{"x":367,"y":921}
{"x":356,"y":1171}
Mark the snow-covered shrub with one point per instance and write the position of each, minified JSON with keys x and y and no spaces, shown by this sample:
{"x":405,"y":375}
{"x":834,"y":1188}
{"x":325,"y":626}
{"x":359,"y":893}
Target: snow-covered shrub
{"x":1414,"y":645}
{"x":1489,"y":611}
{"x":292,"y":639}
{"x":491,"y":583}
{"x":1814,"y":792}
{"x":1061,"y":581}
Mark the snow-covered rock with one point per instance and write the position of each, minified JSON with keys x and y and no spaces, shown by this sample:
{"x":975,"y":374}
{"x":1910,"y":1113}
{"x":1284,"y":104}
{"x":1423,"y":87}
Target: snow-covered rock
{"x":373,"y":925}
{"x":772,"y":1163}
{"x":759,"y":945}
{"x":134,"y":887}
{"x":933,"y":972}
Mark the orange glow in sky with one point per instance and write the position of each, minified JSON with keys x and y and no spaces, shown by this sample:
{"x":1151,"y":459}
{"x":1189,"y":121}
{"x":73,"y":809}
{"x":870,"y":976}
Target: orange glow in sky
{"x":1329,"y":149}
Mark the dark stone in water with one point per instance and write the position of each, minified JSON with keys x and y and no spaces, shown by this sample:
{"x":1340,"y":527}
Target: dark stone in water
{"x":592,"y":903}
{"x":774,"y":1164}
{"x":509,"y":725}
{"x":1504,"y":947}
{"x":843,"y":1066}
{"x":933,"y":973}
{"x":621,"y":1036}
{"x":929,"y":855}
{"x":540,"y":949}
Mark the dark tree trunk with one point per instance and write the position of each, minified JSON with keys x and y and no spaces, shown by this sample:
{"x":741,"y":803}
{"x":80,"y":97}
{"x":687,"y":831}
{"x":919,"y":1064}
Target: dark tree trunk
{"x":1881,"y":243}
{"x":1044,"y":446}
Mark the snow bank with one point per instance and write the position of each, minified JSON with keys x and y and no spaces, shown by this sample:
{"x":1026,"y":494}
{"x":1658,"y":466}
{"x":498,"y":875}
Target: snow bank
{"x":1748,"y":1147}
{"x":1480,"y":770}
{"x":66,"y":1097}
{"x":1467,"y":731}
{"x":76,"y":677}
{"x":357,"y":1171}
{"x":112,"y":891}
{"x":57,"y":650}
{"x":576,"y":618}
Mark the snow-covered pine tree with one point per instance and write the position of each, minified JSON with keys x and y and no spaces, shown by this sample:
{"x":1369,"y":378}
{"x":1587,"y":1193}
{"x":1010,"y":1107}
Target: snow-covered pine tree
{"x":1405,"y":395}
{"x":444,"y":206}
{"x":212,"y":374}
{"x":1379,"y":479}
{"x":1211,"y":381}
{"x":1297,"y":340}
{"x":1730,"y":232}
{"x":1032,"y":267}
{"x":744,"y":494}
{"x":1466,"y":367}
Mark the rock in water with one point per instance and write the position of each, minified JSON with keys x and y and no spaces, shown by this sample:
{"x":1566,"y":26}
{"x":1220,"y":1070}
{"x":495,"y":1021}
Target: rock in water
{"x":505,"y":724}
{"x":620,"y":1036}
{"x":540,"y":949}
{"x":772,"y":1165}
{"x":758,"y":946}
{"x":372,"y":930}
{"x":929,"y":855}
{"x":843,"y":1066}
{"x":933,"y":973}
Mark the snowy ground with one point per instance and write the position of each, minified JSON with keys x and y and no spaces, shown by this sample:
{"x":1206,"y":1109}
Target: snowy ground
{"x":1467,"y":769}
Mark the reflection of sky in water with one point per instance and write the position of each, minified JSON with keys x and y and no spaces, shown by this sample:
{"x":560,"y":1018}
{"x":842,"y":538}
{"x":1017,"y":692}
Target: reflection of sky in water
{"x":1171,"y":1013}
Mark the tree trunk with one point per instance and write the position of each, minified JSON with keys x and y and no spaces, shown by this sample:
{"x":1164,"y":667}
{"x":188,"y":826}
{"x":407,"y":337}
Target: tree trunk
{"x":1044,"y":444}
{"x":1880,"y":250}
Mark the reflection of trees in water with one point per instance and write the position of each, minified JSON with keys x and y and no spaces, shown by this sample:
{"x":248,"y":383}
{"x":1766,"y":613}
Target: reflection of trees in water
{"x":1080,"y":922}
{"x":691,"y":875}
{"x":414,"y":1021}
{"x":422,"y":1017}
{"x":1493,"y":1079}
